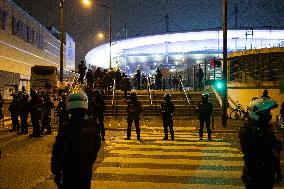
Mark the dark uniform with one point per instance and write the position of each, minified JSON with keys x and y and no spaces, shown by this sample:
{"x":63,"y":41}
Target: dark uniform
{"x":257,"y":143}
{"x":35,"y":109}
{"x":134,"y":109}
{"x":14,"y":109}
{"x":82,"y":71}
{"x":205,"y":110}
{"x":24,"y":112}
{"x":48,"y":105}
{"x":74,"y":153}
{"x":98,"y":109}
{"x":76,"y":146}
{"x":167,"y":109}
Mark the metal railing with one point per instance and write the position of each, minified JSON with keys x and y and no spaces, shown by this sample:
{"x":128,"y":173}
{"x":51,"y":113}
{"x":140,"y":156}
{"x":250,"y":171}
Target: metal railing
{"x":149,"y":91}
{"x":113,"y":96}
{"x":183,"y":90}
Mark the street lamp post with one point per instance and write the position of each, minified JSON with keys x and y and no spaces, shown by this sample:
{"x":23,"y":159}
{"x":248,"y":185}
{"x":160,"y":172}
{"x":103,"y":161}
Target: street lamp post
{"x":61,"y":5}
{"x":88,"y":2}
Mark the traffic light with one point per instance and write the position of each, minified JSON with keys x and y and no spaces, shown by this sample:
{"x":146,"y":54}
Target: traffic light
{"x":219,"y":85}
{"x":234,"y":68}
{"x":213,"y":62}
{"x":218,"y":63}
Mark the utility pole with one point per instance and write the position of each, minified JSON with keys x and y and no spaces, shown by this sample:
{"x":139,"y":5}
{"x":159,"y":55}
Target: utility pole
{"x":167,"y":23}
{"x":61,"y":5}
{"x":224,"y":95}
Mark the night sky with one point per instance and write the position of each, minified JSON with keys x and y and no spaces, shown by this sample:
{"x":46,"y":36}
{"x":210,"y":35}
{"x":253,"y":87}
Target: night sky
{"x":146,"y":17}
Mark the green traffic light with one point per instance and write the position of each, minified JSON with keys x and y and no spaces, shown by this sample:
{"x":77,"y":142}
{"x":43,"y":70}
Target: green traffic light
{"x":219,"y":85}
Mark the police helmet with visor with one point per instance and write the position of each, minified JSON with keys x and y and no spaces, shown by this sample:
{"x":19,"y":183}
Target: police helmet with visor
{"x":259,"y":109}
{"x":76,"y":100}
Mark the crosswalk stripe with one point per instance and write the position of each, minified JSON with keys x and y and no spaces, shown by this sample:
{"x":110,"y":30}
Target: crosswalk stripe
{"x":169,"y":172}
{"x":151,"y":185}
{"x":186,"y":162}
{"x":155,"y":153}
{"x":151,"y":146}
{"x":174,"y":161}
{"x":189,"y":142}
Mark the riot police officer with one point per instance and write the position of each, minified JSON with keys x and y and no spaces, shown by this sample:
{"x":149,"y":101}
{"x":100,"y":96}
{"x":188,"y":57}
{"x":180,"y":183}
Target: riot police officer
{"x":257,"y":143}
{"x":14,"y":109}
{"x":24,"y":112}
{"x":134,"y":109}
{"x":204,"y":110}
{"x":98,"y":109}
{"x":35,"y":109}
{"x":167,"y":109}
{"x":76,"y":146}
{"x":47,"y":107}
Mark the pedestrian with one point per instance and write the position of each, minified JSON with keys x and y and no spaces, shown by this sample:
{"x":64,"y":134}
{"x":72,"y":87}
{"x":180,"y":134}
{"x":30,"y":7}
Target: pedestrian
{"x":35,"y":109}
{"x":82,"y":71}
{"x":257,"y":143}
{"x":134,"y":109}
{"x":167,"y":109}
{"x":48,"y":105}
{"x":138,"y":79}
{"x":144,"y":82}
{"x":98,"y":109}
{"x":158,"y":79}
{"x":89,"y":78}
{"x":14,"y":110}
{"x":76,"y":146}
{"x":200,"y":76}
{"x":24,"y":112}
{"x":204,"y":111}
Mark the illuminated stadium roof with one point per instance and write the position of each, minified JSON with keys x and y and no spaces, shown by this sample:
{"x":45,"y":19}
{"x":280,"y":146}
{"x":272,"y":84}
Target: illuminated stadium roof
{"x":180,"y":48}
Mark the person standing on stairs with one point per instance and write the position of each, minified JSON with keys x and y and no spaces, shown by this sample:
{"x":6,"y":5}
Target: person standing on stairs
{"x":167,"y":109}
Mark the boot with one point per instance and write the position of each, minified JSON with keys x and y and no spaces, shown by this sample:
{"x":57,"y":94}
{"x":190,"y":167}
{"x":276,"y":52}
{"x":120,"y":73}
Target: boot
{"x":200,"y":134}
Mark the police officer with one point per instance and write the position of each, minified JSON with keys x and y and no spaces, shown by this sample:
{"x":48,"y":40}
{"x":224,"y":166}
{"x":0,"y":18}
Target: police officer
{"x":204,"y":110}
{"x":24,"y":112}
{"x":257,"y":143}
{"x":98,"y":109}
{"x":35,"y":109}
{"x":14,"y":109}
{"x":48,"y":105}
{"x":61,"y":111}
{"x":134,"y":109}
{"x":76,"y":146}
{"x":167,"y":109}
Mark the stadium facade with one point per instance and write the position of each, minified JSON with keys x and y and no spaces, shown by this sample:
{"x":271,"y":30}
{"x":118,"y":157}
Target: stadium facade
{"x":179,"y":51}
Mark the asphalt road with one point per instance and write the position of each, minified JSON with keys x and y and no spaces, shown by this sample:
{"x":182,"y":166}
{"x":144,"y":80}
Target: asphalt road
{"x":149,"y":163}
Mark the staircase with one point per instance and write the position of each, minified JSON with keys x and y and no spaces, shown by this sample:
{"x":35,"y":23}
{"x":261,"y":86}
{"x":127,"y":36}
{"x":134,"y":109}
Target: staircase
{"x":183,"y":110}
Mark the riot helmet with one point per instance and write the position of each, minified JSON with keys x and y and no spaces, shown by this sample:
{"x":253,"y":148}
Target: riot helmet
{"x":33,"y":93}
{"x":76,"y":100}
{"x":205,"y":96}
{"x":167,"y":97}
{"x":259,"y":109}
{"x":133,"y":97}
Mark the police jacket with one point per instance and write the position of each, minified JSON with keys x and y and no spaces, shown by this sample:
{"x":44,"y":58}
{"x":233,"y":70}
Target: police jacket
{"x":76,"y":146}
{"x":204,"y":109}
{"x":134,"y":109}
{"x":257,"y":143}
{"x":167,"y":109}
